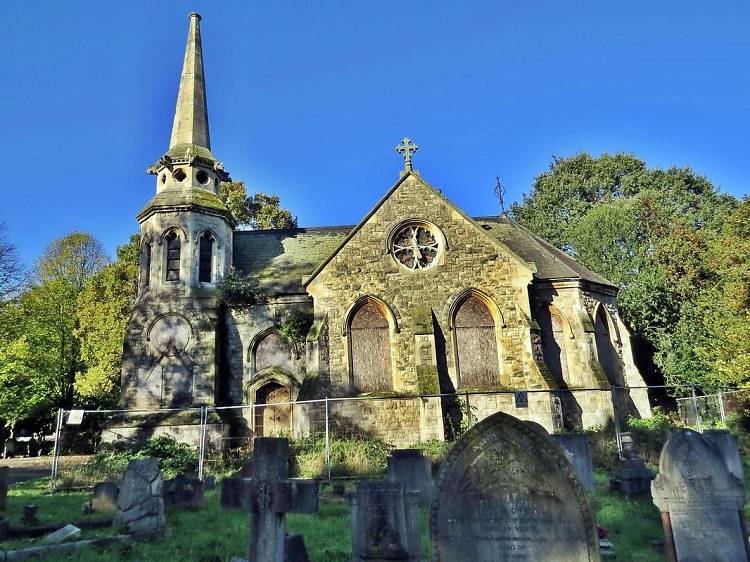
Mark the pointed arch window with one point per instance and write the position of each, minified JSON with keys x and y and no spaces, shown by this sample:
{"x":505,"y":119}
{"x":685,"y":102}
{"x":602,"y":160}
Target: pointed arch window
{"x":146,"y":265}
{"x":174,"y":247}
{"x":553,"y":344}
{"x":205,"y":258}
{"x":476,"y":345}
{"x":370,"y":350}
{"x":604,"y":349}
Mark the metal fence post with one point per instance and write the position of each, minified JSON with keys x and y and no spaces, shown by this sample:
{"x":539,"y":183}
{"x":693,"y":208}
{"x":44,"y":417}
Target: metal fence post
{"x":202,"y":443}
{"x":722,"y":412}
{"x":616,"y":420}
{"x":697,"y":413}
{"x":58,"y":445}
{"x":328,"y":444}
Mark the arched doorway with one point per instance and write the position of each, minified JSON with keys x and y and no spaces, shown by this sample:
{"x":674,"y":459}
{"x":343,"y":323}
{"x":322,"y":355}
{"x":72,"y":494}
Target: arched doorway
{"x":476,"y":345}
{"x":370,"y":349}
{"x":273,"y":413}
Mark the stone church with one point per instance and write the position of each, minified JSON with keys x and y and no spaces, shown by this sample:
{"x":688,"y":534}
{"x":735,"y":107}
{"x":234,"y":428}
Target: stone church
{"x":416,"y":300}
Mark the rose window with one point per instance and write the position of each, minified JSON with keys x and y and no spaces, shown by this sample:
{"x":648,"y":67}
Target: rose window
{"x":415,"y":247}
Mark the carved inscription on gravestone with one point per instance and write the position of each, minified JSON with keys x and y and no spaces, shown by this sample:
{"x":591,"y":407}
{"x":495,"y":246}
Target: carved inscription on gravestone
{"x":702,"y":503}
{"x":506,"y":493}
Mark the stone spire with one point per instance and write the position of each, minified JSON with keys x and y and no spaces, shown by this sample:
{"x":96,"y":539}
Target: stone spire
{"x":191,"y":114}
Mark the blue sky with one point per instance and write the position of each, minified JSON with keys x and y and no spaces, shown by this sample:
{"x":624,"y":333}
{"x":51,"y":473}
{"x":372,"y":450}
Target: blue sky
{"x":308,"y":99}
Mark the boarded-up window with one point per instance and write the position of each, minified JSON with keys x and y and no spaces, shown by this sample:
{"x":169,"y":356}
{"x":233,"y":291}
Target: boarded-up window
{"x":173,"y":257}
{"x":476,"y":346}
{"x":370,"y":350}
{"x":271,"y":418}
{"x":177,"y":385}
{"x":271,"y":352}
{"x":553,"y":345}
{"x":604,"y":349}
{"x":205,"y":258}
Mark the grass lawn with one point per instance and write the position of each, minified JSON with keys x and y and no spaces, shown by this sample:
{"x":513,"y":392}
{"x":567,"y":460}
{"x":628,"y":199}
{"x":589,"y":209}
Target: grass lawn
{"x":214,"y":535}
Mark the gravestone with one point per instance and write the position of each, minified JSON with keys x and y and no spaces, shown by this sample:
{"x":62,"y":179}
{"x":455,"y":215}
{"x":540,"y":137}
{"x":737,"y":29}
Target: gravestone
{"x":269,"y":495}
{"x":105,"y":497}
{"x":726,"y":444}
{"x":4,"y":475}
{"x":505,"y":492}
{"x":702,"y":503}
{"x":385,"y":522}
{"x":576,"y":445}
{"x":413,"y":470}
{"x":631,"y":477}
{"x":4,"y":528}
{"x":28,"y":515}
{"x":209,"y":483}
{"x":61,"y":535}
{"x":140,"y":504}
{"x":183,"y":491}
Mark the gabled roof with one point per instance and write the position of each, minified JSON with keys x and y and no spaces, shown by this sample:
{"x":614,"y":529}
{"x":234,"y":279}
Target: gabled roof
{"x":284,"y":261}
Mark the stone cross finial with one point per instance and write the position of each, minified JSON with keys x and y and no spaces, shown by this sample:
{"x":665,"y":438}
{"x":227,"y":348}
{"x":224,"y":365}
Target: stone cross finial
{"x":406,"y":149}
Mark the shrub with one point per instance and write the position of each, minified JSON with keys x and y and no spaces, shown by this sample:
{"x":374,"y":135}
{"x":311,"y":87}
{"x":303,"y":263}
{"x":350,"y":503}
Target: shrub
{"x":352,"y":456}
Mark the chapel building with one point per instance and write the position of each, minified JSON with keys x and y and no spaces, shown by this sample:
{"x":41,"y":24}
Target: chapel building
{"x":416,"y":300}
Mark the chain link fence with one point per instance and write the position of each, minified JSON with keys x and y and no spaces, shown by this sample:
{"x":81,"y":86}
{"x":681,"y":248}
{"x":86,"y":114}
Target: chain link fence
{"x":343,"y":437}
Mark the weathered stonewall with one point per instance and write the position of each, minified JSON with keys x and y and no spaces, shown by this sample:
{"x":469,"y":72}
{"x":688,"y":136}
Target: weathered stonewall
{"x":507,"y":493}
{"x":385,"y":522}
{"x":105,"y":497}
{"x":269,"y":495}
{"x":413,"y":470}
{"x":726,"y":444}
{"x":140,"y":504}
{"x":576,"y":445}
{"x":4,"y":475}
{"x":702,"y":504}
{"x":183,"y":491}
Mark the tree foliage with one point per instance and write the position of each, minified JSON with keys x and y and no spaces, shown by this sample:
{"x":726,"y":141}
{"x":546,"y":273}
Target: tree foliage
{"x":103,"y":309}
{"x":259,"y":211}
{"x":648,"y":231}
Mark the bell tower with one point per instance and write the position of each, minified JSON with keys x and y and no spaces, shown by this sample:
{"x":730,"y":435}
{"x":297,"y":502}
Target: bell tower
{"x":170,"y":352}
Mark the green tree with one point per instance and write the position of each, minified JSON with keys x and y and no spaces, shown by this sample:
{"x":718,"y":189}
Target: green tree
{"x":259,"y":211}
{"x":646,"y":230}
{"x":103,"y":309}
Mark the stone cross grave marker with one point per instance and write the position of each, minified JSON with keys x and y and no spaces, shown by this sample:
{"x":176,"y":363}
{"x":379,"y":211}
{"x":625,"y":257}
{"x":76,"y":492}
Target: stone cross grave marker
{"x":413,"y":470}
{"x":269,"y":495}
{"x":4,"y":475}
{"x":505,"y":492}
{"x":385,"y":522}
{"x":702,"y":504}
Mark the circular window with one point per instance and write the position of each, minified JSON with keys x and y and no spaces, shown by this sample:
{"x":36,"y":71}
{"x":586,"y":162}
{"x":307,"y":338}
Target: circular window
{"x":416,"y":245}
{"x":202,"y":177}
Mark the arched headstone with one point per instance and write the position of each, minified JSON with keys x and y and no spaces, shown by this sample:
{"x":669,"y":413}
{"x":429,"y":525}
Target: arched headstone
{"x":702,"y":504}
{"x":507,"y":493}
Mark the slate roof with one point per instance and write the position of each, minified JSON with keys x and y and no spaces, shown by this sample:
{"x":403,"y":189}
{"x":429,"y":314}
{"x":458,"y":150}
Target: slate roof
{"x":283,"y":259}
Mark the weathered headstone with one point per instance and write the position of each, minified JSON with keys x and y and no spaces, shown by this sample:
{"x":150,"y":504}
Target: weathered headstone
{"x":632,"y":477}
{"x":183,"y":491}
{"x":269,"y":495}
{"x":576,"y":445}
{"x":61,"y":535}
{"x":385,"y":522}
{"x":702,"y":503}
{"x":727,"y":445}
{"x":28,"y":515}
{"x":209,"y":483}
{"x":140,"y":504}
{"x":413,"y":470}
{"x":4,"y":475}
{"x":105,"y":497}
{"x":294,"y":548}
{"x":507,"y":493}
{"x":4,"y":528}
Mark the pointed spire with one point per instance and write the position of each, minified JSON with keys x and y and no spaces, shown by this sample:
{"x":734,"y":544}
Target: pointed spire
{"x":191,"y":115}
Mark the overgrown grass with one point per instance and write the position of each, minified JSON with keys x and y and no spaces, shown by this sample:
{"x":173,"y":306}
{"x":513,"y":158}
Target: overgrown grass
{"x":212,"y":534}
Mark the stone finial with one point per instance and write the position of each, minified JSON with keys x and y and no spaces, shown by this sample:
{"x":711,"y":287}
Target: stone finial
{"x":191,"y":114}
{"x":406,"y":149}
